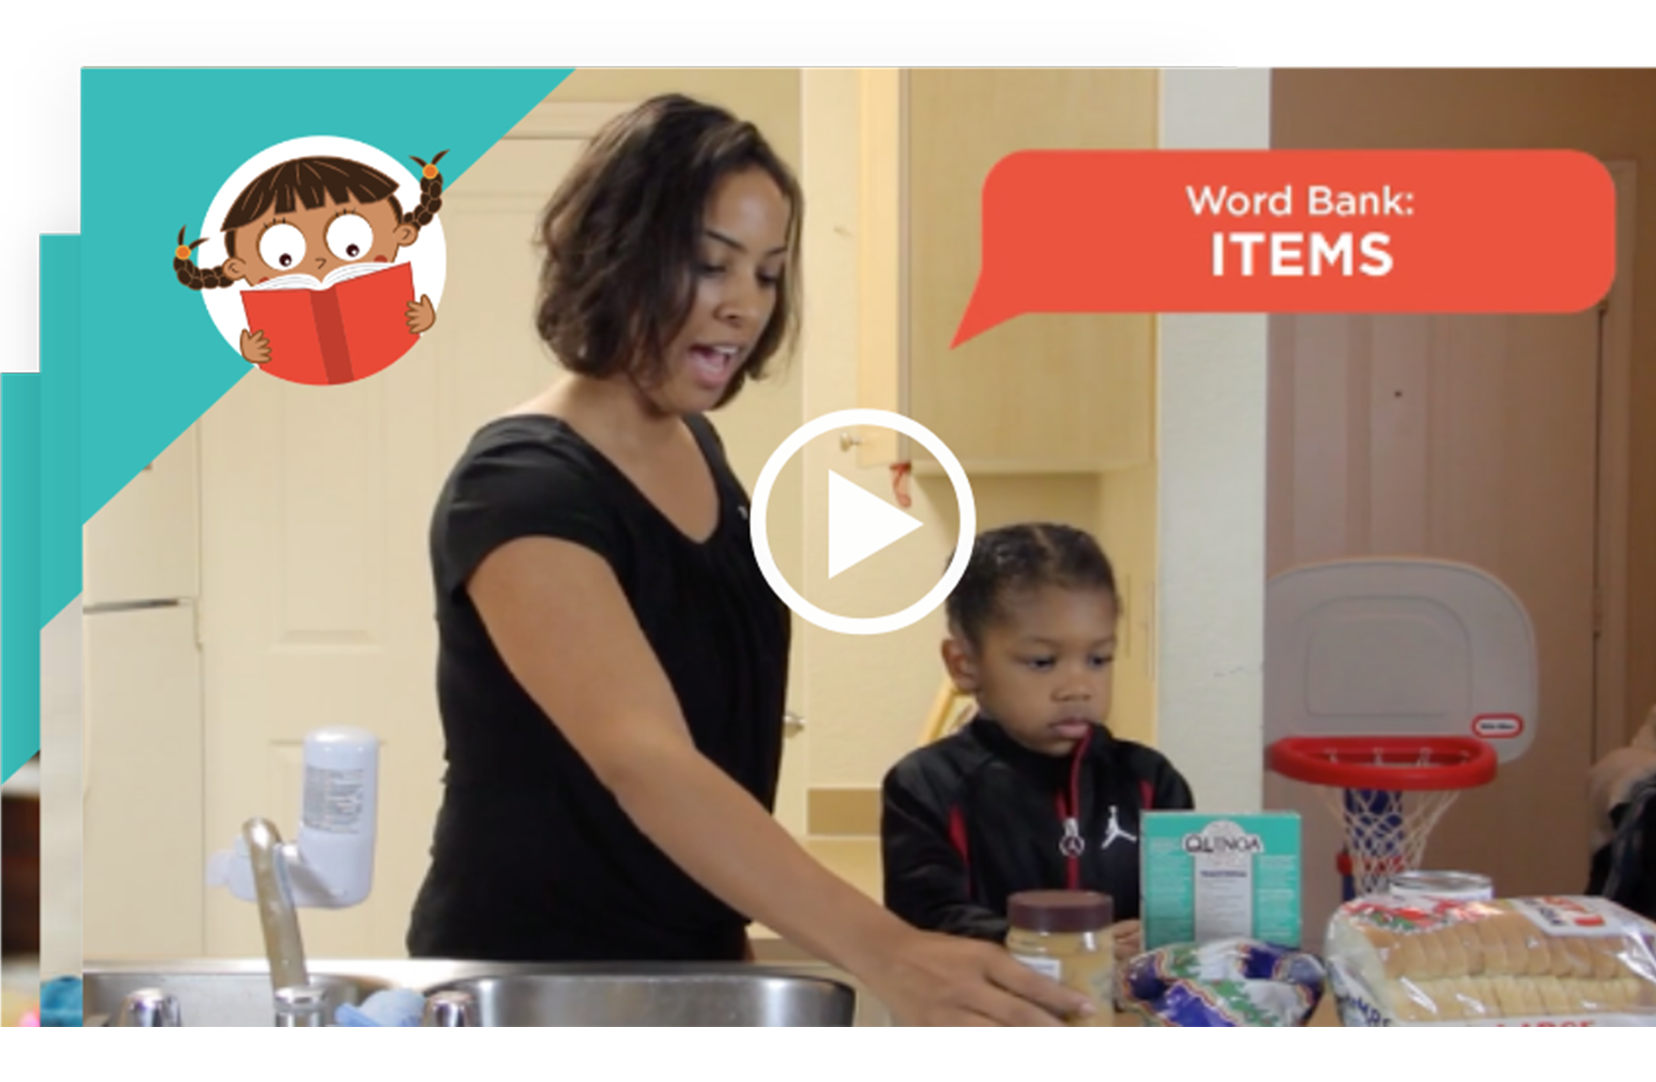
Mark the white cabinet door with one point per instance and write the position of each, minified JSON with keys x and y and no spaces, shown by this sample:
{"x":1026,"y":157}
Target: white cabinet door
{"x":143,"y":866}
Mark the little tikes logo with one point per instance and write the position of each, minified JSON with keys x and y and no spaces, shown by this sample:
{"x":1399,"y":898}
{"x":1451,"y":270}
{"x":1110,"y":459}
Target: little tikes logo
{"x":1498,"y":726}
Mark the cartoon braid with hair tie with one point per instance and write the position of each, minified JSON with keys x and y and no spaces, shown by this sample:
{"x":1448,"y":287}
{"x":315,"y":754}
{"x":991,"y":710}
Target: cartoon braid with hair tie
{"x":323,"y":218}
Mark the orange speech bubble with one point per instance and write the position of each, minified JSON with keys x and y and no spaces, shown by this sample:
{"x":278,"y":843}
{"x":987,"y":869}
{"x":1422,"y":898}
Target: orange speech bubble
{"x":1420,"y":231}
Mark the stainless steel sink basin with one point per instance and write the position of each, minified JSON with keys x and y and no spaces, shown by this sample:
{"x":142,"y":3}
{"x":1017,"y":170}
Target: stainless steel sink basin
{"x":581,"y":996}
{"x":237,"y":992}
{"x":209,"y":997}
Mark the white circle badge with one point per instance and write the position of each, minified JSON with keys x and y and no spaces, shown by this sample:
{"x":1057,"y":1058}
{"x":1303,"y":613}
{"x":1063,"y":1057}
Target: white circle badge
{"x":866,"y":625}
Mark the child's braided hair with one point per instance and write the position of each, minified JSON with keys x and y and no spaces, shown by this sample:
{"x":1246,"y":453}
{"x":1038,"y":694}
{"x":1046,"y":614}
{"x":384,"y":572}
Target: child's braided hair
{"x":1022,"y":557}
{"x":307,"y":182}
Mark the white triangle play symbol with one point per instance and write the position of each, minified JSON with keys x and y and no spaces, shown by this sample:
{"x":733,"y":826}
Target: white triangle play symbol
{"x":860,"y":524}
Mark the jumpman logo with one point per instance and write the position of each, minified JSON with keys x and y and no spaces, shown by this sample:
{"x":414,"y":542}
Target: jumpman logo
{"x":1114,"y":831}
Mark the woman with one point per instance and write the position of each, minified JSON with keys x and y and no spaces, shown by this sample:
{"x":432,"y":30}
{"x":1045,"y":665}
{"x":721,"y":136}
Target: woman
{"x":612,"y":664}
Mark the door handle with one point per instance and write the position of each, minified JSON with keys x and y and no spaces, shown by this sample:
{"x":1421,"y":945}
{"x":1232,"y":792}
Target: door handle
{"x":792,"y":723}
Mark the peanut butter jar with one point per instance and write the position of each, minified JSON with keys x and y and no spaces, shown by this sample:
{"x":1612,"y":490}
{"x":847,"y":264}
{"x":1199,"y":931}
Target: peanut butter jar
{"x":1065,"y":935}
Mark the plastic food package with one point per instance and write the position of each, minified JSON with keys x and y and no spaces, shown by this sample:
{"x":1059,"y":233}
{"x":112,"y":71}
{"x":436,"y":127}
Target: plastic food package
{"x":1232,"y":982}
{"x":1544,"y":961}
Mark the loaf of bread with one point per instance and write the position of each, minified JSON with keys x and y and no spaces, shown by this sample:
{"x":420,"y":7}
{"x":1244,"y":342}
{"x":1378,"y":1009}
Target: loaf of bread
{"x":1518,"y":961}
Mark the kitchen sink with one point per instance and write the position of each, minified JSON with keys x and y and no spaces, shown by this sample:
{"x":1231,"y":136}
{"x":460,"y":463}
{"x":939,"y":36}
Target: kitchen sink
{"x":237,"y":992}
{"x":581,"y":996}
{"x":211,"y":997}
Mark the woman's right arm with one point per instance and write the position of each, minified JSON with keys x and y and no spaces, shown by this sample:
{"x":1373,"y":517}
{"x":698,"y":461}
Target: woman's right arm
{"x":556,"y":614}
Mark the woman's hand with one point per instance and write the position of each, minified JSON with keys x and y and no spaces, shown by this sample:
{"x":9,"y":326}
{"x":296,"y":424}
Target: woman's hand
{"x":1129,"y":940}
{"x":927,"y":979}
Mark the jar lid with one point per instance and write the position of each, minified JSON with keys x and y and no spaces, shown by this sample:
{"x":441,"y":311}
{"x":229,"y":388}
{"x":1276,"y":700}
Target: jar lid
{"x":1061,"y":910}
{"x":1451,"y":886}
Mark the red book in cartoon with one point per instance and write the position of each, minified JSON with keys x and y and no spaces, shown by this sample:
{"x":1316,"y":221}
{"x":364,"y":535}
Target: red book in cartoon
{"x":339,"y":329}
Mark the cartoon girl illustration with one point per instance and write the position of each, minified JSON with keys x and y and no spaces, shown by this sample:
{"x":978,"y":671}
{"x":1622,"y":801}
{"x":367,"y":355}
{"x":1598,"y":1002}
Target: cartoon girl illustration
{"x":307,"y":238}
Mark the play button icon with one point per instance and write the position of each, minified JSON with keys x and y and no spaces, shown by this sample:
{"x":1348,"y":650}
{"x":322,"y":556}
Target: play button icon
{"x":861,"y":524}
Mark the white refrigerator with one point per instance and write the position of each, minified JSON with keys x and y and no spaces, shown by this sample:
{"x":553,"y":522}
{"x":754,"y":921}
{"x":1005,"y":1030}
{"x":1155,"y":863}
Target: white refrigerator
{"x":143,"y":751}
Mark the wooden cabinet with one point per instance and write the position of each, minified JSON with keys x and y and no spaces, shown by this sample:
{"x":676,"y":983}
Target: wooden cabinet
{"x":1039,"y":394}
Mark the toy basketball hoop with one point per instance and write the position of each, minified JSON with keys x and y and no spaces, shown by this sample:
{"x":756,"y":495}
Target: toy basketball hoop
{"x":1387,"y":793}
{"x":1391,"y":687}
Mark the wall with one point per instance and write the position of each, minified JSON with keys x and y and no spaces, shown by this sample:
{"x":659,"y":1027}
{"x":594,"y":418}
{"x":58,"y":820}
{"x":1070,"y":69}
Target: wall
{"x":1127,"y":515}
{"x":1610,"y":114}
{"x":1212,"y":380}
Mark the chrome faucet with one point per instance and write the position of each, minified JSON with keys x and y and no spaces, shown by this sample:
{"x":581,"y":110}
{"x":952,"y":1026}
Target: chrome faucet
{"x":147,"y":1007}
{"x":450,"y":1008}
{"x":301,"y":1006}
{"x":277,"y":913}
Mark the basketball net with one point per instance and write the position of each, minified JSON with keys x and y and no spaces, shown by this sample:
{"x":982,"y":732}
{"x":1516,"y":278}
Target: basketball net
{"x":1385,"y":830}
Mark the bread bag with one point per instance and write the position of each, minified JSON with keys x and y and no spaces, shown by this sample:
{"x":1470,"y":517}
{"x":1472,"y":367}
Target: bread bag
{"x":1542,"y":961}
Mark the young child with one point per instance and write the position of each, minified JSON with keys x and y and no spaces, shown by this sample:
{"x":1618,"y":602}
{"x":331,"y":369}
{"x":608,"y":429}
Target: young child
{"x":1034,"y":792}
